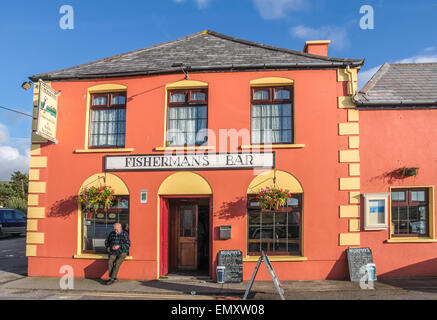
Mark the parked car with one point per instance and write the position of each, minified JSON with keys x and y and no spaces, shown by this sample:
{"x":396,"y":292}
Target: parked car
{"x":12,"y":221}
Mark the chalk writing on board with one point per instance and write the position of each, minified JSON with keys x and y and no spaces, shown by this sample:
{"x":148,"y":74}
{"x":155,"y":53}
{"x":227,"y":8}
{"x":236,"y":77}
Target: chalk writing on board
{"x":357,"y":258}
{"x":233,"y":261}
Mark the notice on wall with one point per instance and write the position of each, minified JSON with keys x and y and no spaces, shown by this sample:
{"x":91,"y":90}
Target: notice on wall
{"x":208,"y":161}
{"x":47,"y":120}
{"x":358,"y":258}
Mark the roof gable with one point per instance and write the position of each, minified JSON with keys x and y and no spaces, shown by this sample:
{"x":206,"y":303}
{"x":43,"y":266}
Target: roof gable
{"x":203,"y":51}
{"x":410,"y":84}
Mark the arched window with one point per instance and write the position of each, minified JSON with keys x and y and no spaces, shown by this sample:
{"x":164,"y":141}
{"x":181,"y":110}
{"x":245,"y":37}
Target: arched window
{"x":276,"y":232}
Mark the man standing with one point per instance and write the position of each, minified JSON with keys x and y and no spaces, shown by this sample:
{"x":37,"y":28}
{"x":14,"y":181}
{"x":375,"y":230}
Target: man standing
{"x":117,"y":244}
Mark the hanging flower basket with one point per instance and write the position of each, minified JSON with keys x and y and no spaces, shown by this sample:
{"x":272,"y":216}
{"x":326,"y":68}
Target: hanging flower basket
{"x":273,"y":199}
{"x":94,"y":198}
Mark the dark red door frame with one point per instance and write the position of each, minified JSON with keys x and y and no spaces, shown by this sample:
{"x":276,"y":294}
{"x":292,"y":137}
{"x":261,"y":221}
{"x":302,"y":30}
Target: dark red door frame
{"x":164,"y":230}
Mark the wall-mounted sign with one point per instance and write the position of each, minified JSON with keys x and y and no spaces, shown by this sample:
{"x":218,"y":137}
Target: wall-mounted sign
{"x":143,"y":196}
{"x":47,"y":119}
{"x":210,"y":161}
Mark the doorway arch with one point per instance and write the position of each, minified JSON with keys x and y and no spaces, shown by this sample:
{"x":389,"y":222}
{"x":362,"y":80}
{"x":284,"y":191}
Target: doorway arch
{"x":183,"y":184}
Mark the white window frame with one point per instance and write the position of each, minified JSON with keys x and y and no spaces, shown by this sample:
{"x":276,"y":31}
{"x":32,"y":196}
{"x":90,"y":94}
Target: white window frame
{"x":375,"y":196}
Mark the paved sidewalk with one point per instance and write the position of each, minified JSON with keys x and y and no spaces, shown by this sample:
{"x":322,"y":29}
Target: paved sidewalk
{"x":323,"y":289}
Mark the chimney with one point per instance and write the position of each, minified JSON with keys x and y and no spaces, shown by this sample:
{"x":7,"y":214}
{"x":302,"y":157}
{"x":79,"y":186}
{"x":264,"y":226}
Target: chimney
{"x":319,"y":47}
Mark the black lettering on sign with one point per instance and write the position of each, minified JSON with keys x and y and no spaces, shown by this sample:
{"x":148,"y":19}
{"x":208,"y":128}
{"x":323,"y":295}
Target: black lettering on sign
{"x":357,"y":258}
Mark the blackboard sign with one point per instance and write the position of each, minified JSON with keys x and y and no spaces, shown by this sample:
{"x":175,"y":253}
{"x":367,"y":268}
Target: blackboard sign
{"x":358,"y":258}
{"x":233,"y":261}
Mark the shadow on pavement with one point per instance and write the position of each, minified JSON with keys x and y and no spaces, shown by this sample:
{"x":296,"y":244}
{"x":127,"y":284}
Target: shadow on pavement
{"x":187,"y":288}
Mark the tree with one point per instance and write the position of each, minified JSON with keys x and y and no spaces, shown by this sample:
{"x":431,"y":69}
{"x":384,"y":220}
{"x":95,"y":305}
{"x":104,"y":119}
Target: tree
{"x":13,"y":194}
{"x":19,"y":184}
{"x":5,"y":193}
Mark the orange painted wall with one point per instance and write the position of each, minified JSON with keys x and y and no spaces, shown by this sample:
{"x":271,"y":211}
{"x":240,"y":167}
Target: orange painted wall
{"x":316,"y":167}
{"x":392,"y":139}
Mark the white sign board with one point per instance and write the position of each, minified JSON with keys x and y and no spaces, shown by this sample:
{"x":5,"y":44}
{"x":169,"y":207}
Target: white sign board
{"x":210,"y":161}
{"x":47,"y":120}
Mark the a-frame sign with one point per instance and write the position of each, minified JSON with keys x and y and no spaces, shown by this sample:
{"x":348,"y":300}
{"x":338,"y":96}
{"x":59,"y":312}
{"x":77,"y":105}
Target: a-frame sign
{"x":272,"y":272}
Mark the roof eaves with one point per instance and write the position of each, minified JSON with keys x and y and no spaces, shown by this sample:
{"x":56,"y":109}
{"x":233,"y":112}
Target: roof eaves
{"x":223,"y":68}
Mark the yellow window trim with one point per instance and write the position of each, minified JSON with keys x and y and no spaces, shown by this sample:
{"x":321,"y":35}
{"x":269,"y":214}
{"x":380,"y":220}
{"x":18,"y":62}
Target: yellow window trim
{"x":271,"y":81}
{"x":94,"y":256}
{"x":104,"y":150}
{"x":100,"y":88}
{"x":277,"y":258}
{"x":186,"y":84}
{"x":431,"y":215}
{"x":411,"y":240}
{"x":185,"y":148}
{"x":273,"y":146}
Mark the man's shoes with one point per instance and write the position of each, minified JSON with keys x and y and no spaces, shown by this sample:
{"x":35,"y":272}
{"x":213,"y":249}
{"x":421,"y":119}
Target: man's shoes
{"x":110,"y":281}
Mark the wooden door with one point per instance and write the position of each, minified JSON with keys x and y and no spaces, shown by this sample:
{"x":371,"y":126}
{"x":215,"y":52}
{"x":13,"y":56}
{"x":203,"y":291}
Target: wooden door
{"x":187,"y":237}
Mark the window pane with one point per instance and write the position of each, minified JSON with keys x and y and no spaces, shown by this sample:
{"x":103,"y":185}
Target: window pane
{"x":99,"y":101}
{"x":256,"y":111}
{"x":197,"y":96}
{"x":177,"y":97}
{"x":187,"y":126}
{"x":108,"y":127}
{"x":261,"y":95}
{"x":398,"y":196}
{"x":417,"y":195}
{"x":286,"y":109}
{"x":282,"y":94}
{"x":117,"y":100}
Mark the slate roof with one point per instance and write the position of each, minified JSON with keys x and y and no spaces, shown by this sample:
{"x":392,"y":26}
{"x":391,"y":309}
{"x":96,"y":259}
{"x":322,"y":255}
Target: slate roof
{"x":411,"y":84}
{"x":203,"y":51}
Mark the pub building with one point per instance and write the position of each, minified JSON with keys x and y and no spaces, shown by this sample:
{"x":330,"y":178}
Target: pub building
{"x":187,"y":132}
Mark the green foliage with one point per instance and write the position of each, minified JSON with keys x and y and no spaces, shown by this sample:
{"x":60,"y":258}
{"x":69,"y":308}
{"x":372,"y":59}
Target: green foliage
{"x":17,"y":203}
{"x":94,"y":197}
{"x":272,"y":198}
{"x":13,"y":194}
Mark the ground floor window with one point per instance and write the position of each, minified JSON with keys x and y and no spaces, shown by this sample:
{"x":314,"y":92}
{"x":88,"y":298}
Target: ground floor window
{"x":97,"y":226}
{"x":275,"y":232}
{"x":410,"y":212}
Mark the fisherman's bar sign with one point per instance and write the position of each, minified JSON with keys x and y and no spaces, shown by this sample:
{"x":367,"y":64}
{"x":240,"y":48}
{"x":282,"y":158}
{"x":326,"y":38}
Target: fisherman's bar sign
{"x":209,"y":161}
{"x":47,"y":112}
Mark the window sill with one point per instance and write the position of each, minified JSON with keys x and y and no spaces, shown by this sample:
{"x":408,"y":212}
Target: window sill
{"x":121,"y":150}
{"x":274,"y":146}
{"x":411,"y":240}
{"x":276,"y":258}
{"x":184,"y":148}
{"x":96,"y":256}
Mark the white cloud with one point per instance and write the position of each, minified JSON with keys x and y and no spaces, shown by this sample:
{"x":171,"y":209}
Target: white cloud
{"x":365,"y":76}
{"x":337,"y":35}
{"x":429,"y":49}
{"x":276,"y":9}
{"x":14,"y":154}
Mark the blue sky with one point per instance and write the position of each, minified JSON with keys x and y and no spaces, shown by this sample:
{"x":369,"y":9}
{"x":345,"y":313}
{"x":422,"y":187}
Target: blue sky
{"x":32,"y":41}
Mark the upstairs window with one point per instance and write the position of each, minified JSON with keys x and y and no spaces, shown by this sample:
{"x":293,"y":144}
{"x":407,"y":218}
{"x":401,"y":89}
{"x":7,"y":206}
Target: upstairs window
{"x":272,"y":110}
{"x":108,"y":120}
{"x":187,"y":117}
